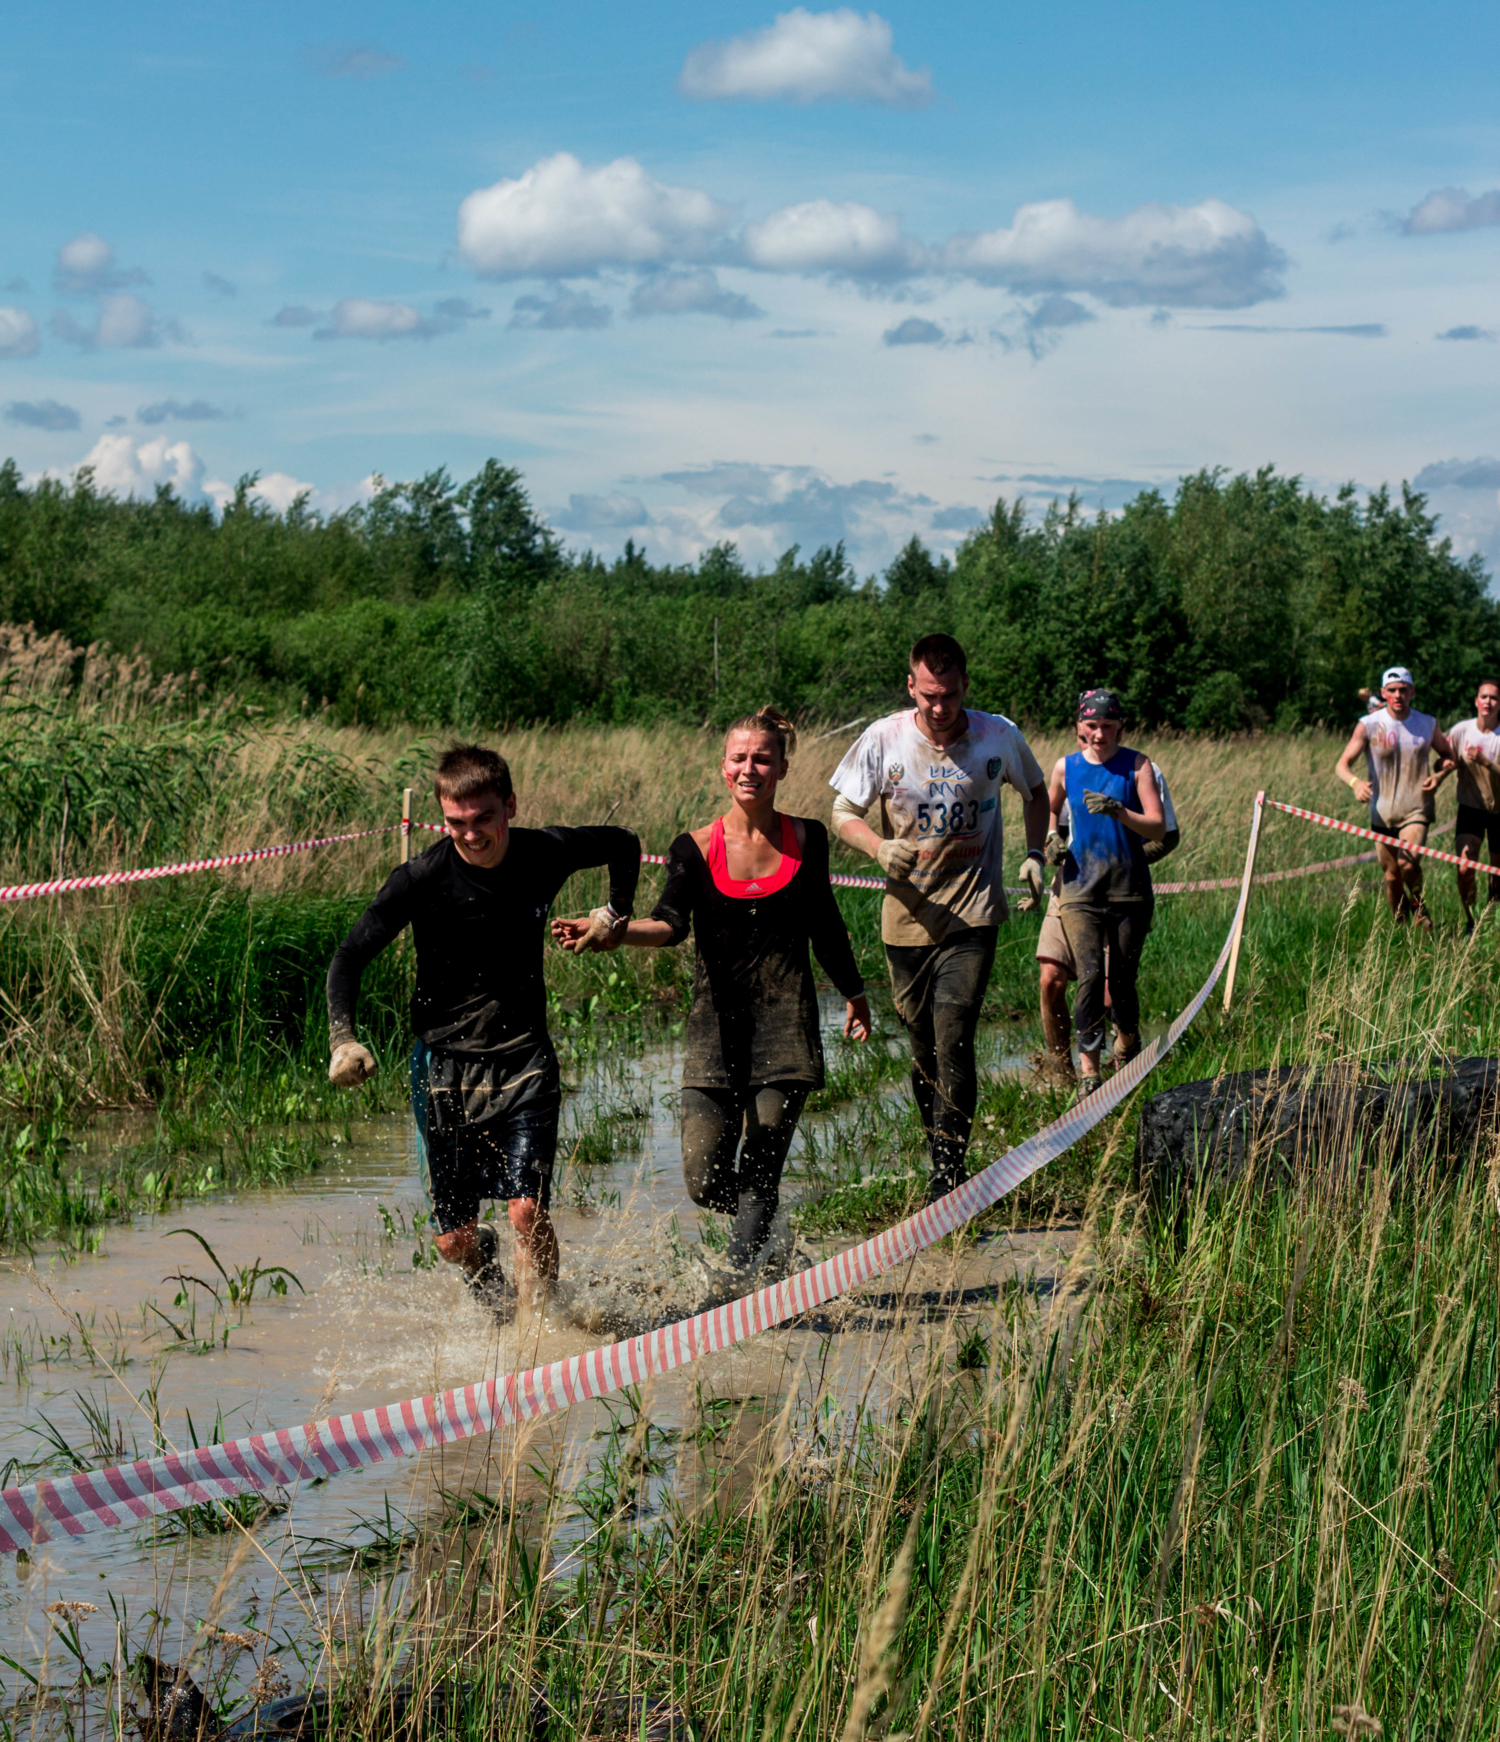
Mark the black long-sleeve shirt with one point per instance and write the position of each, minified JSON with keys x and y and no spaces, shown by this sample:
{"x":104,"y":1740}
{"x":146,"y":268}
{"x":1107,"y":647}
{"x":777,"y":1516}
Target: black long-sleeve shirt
{"x":479,"y":934}
{"x":754,"y":1015}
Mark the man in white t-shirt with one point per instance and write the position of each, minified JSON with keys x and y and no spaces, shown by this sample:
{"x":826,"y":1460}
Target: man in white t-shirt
{"x":1397,"y":743}
{"x":933,"y":772}
{"x":1055,"y":961}
{"x":1476,"y":751}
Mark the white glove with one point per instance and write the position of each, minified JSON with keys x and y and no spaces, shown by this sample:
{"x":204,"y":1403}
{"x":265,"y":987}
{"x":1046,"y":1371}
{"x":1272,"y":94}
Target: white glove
{"x":898,"y":859}
{"x":604,"y":933}
{"x":1031,"y":876}
{"x":351,"y":1065}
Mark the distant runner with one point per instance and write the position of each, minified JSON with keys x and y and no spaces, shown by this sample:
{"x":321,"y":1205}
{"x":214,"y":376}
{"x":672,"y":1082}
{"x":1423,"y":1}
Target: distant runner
{"x":1476,"y":750}
{"x":1396,"y":743}
{"x":1106,"y":905}
{"x":486,"y":1087}
{"x":1054,"y":955}
{"x":753,"y":888}
{"x":935,"y":771}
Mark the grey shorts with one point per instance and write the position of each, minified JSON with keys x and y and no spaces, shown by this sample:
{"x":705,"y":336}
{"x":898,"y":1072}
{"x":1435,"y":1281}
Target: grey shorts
{"x":474,"y":1150}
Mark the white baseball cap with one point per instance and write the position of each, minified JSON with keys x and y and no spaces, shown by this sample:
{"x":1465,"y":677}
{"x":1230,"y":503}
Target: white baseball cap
{"x":1396,"y":674}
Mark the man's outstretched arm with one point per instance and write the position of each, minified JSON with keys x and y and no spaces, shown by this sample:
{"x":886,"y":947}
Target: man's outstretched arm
{"x":351,"y":1062}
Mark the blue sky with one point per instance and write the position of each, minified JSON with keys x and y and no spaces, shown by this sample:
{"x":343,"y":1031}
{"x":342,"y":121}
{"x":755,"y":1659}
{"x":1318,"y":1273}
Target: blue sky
{"x":723,"y":272}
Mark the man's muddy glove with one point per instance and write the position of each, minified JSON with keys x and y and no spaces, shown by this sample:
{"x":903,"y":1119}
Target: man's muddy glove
{"x":606,"y":932}
{"x":898,"y":859}
{"x":1031,"y":876}
{"x":1102,"y":805}
{"x":1152,"y":851}
{"x":1056,"y":849}
{"x":351,"y":1065}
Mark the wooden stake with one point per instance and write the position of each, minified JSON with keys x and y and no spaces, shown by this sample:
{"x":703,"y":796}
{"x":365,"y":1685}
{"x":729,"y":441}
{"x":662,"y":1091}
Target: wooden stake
{"x":406,"y":826}
{"x":1239,"y":923}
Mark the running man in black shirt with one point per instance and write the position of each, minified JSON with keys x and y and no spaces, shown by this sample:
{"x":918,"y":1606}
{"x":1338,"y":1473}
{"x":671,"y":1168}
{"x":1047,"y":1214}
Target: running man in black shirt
{"x":487,"y":1090}
{"x":753,"y":888}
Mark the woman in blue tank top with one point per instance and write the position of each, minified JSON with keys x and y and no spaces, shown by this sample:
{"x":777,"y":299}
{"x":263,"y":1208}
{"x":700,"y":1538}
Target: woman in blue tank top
{"x":1105,"y":903}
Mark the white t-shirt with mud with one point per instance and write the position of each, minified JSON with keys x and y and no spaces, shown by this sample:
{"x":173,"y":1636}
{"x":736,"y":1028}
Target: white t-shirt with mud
{"x":948,"y":803}
{"x":1397,"y":753}
{"x":1479,"y":780}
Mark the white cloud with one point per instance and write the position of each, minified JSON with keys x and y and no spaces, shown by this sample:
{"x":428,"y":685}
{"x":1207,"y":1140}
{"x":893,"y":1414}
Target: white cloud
{"x":601,"y":513}
{"x":808,"y":57}
{"x":832,"y":236}
{"x":568,"y":308}
{"x":190,"y":411}
{"x":127,"y":468}
{"x":914,"y":331}
{"x":1452,"y":209}
{"x":87,"y":263}
{"x":18,"y":333}
{"x":362,"y":317}
{"x":1203,"y":256}
{"x":123,"y":321}
{"x":697,"y":292}
{"x":126,"y":321}
{"x":279,"y":490}
{"x":358,"y":317}
{"x":561,"y":219}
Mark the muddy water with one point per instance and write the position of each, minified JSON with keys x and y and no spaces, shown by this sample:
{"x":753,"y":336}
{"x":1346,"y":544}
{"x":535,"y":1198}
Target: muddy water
{"x":139,"y":1357}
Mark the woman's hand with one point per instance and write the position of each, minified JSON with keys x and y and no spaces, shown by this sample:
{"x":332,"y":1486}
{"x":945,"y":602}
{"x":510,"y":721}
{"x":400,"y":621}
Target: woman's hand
{"x":858,"y":1023}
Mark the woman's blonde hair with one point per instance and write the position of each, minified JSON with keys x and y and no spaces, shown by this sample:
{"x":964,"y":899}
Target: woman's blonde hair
{"x":773,"y":723}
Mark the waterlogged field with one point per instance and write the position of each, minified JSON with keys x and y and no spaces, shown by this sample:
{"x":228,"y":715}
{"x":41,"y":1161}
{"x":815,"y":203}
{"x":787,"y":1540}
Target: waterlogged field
{"x":1090,"y":1469}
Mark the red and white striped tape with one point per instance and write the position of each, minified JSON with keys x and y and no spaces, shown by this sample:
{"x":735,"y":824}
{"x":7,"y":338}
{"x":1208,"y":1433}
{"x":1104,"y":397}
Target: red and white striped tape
{"x":148,"y":873}
{"x":129,"y":1493}
{"x":1343,"y":828}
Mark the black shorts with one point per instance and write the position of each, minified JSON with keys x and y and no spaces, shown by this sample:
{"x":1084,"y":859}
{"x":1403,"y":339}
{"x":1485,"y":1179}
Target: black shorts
{"x":1484,"y":825}
{"x":472,"y":1153}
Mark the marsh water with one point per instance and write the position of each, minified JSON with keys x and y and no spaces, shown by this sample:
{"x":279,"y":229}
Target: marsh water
{"x":138,"y":1346}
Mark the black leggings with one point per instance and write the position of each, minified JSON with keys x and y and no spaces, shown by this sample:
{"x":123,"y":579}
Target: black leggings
{"x":1120,"y":927}
{"x":758,"y":1122}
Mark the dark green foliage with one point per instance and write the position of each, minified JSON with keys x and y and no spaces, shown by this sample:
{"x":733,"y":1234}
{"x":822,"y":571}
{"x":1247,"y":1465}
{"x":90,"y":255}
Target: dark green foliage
{"x":1244,"y":602}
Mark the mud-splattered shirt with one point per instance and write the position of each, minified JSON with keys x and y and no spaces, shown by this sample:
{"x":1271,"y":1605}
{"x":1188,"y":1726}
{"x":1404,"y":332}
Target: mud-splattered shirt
{"x":948,"y":802}
{"x":1397,"y":754}
{"x":1479,"y":780}
{"x":754,"y":1015}
{"x":480,"y":989}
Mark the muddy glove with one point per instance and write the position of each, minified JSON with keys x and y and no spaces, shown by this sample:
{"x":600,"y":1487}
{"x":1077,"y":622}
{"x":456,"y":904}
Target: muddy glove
{"x":1056,"y":849}
{"x":1031,"y":876}
{"x":898,"y":859}
{"x":1102,"y":805}
{"x":1153,"y":851}
{"x":351,"y":1065}
{"x":606,"y":932}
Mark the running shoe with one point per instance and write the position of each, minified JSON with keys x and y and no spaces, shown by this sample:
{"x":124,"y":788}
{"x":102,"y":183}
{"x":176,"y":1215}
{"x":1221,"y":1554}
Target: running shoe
{"x":1122,"y":1055}
{"x":1086,"y":1087}
{"x":487,"y":1286}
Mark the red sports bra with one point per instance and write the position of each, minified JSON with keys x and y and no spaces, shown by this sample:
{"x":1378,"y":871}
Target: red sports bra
{"x":746,"y":889}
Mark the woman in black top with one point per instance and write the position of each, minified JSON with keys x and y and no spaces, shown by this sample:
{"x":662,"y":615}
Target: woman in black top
{"x":753,"y":888}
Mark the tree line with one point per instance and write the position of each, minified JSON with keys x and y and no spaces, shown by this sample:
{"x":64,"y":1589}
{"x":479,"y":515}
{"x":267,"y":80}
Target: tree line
{"x":1242,"y":602}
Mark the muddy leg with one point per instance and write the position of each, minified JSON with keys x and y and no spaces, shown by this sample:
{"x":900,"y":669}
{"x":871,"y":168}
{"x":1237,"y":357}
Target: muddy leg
{"x":771,"y":1115}
{"x":712,"y":1122}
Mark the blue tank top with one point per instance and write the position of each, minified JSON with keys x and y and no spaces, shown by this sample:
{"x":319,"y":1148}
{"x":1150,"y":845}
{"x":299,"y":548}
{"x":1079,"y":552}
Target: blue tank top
{"x":1105,"y":860}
